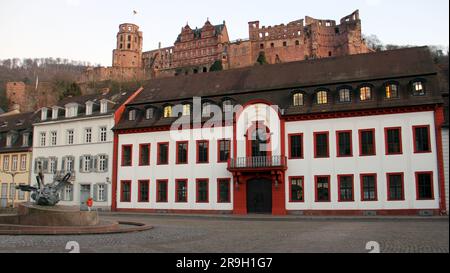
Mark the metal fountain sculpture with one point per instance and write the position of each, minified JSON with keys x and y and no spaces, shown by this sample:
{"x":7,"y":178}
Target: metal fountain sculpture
{"x":46,"y":195}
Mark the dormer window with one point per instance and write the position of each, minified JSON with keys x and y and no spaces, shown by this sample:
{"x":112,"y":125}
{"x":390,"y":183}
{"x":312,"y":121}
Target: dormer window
{"x":89,"y":106}
{"x":345,"y":95}
{"x":186,"y":109}
{"x":132,"y":115}
{"x":55,"y":113}
{"x":168,"y":111}
{"x":418,"y":89}
{"x":26,"y":140}
{"x":71,"y":110}
{"x":206,"y":109}
{"x":365,"y":93}
{"x":391,"y":91}
{"x":227,"y":106}
{"x":103,"y":107}
{"x":44,"y":114}
{"x":297,"y":99}
{"x":149,"y":113}
{"x":322,"y":97}
{"x":9,"y":140}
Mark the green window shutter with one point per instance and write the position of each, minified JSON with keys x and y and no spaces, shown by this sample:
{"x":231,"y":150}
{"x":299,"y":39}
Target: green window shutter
{"x":81,"y":164}
{"x":106,"y":164}
{"x":63,"y":164}
{"x":95,"y":192}
{"x":95,"y":167}
{"x":106,"y":193}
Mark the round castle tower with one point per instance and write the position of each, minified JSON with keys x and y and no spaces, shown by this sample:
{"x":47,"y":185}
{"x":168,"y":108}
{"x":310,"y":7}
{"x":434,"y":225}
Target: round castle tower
{"x":128,"y":53}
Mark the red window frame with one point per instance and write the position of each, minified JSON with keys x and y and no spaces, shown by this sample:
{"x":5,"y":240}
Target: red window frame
{"x":177,"y":182}
{"x":197,"y":182}
{"x":131,"y":155}
{"x":387,"y":143}
{"x":177,"y":152}
{"x":417,"y":186}
{"x":228,"y":180}
{"x":429,"y":139}
{"x":327,"y":133}
{"x":218,"y":150}
{"x":388,"y":183}
{"x":362,"y":186}
{"x":339,"y":187}
{"x":290,"y":146}
{"x":158,"y":160}
{"x":140,"y":153}
{"x":158,"y":182}
{"x":316,"y":178}
{"x":374,"y":145}
{"x":290,"y":189}
{"x":140,"y":182}
{"x":338,"y":150}
{"x":198,"y":154}
{"x":123,"y":182}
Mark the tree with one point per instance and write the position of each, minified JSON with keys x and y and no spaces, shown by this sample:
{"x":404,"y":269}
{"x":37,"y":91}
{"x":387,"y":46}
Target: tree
{"x":217,"y":66}
{"x":261,"y":58}
{"x":373,"y":42}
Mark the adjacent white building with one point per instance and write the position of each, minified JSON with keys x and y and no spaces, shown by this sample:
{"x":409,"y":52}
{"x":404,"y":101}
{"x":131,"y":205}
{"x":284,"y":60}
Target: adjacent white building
{"x":75,"y":137}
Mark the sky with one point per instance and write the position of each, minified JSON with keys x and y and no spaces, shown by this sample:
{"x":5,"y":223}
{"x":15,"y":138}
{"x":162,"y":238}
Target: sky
{"x":85,"y":30}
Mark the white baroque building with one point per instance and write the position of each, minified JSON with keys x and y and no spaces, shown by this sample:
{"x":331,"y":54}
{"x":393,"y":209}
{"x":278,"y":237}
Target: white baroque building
{"x":75,"y":137}
{"x":357,"y":135}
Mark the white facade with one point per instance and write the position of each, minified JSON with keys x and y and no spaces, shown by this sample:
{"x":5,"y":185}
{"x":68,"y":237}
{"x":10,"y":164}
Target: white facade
{"x":74,"y":141}
{"x":380,"y":164}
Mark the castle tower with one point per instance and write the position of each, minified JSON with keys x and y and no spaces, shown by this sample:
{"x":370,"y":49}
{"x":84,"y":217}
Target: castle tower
{"x":128,"y":53}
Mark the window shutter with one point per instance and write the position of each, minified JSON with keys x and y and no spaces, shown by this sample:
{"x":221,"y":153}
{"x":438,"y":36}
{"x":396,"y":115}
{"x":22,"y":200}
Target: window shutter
{"x":71,"y":192}
{"x":106,"y":193}
{"x":91,"y":164}
{"x":56,"y":165}
{"x":36,"y":165}
{"x":106,"y":163}
{"x":45,"y":167}
{"x":95,"y":192}
{"x":95,"y":164}
{"x":63,"y":164}
{"x":81,"y":163}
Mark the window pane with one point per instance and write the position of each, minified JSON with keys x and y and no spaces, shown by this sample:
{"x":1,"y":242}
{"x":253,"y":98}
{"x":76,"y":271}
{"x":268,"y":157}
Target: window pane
{"x":182,"y":153}
{"x":145,"y":155}
{"x":143,"y":190}
{"x":367,"y":143}
{"x":163,"y":154}
{"x":395,"y":187}
{"x":202,"y":191}
{"x":296,"y":146}
{"x":224,"y":191}
{"x":424,"y":186}
{"x":369,"y":188}
{"x":162,"y":191}
{"x":323,"y":189}
{"x":393,"y":141}
{"x":202,"y":152}
{"x":224,"y":150}
{"x":182,"y":191}
{"x":344,"y":95}
{"x":321,"y":145}
{"x":346,"y":188}
{"x":297,"y":190}
{"x":422,"y":139}
{"x":345,"y":143}
{"x":126,"y":156}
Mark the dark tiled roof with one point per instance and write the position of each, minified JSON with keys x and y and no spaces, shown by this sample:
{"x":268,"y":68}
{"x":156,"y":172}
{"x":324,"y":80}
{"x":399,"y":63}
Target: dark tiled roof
{"x":386,"y":64}
{"x":198,"y":32}
{"x":17,"y":125}
{"x":117,"y":99}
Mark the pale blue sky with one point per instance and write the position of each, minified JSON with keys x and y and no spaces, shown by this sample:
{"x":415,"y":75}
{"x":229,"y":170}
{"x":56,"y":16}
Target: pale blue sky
{"x":86,"y":29}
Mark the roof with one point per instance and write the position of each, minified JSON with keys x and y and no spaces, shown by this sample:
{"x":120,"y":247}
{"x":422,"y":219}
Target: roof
{"x":115,"y":99}
{"x":386,"y":64}
{"x":17,"y":125}
{"x":198,"y":32}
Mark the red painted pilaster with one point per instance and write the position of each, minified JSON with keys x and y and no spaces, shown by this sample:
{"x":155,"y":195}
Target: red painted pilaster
{"x":439,"y":120}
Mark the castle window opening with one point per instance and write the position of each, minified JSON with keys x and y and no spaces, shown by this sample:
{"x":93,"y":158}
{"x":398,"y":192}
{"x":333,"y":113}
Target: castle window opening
{"x":272,"y":45}
{"x":261,"y":46}
{"x":297,"y":42}
{"x":129,"y":38}
{"x":284,"y":43}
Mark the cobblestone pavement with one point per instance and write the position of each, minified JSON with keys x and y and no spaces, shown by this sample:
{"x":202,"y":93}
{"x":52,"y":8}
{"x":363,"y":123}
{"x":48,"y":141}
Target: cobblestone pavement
{"x":192,"y":235}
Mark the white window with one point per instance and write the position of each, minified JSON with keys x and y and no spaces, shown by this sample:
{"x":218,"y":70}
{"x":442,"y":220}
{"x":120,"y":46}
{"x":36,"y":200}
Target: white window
{"x":103,"y":163}
{"x":6,"y":162}
{"x":132,"y":115}
{"x":149,"y":113}
{"x":103,"y":107}
{"x":87,"y":163}
{"x":418,"y":89}
{"x":8,"y":140}
{"x":88,"y":135}
{"x":168,"y":111}
{"x":101,"y":195}
{"x":23,"y":162}
{"x":43,"y":139}
{"x":53,"y":138}
{"x":67,"y":194}
{"x":26,"y":139}
{"x":89,"y":107}
{"x":298,"y":99}
{"x":15,"y":161}
{"x":4,"y":191}
{"x":186,"y":110}
{"x":71,"y":111}
{"x":103,"y":134}
{"x":70,"y":164}
{"x":12,"y":191}
{"x":44,"y":114}
{"x":70,"y":136}
{"x":53,"y":165}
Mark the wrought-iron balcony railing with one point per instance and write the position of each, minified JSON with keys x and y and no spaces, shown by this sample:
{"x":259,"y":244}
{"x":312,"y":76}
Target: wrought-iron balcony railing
{"x":258,"y":162}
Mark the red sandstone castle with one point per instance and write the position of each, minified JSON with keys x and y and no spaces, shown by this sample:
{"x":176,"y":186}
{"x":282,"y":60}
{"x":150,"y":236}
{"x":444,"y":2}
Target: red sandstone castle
{"x":196,"y":50}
